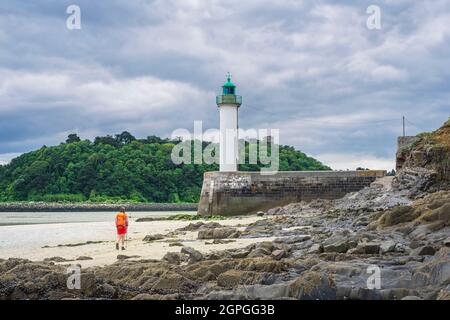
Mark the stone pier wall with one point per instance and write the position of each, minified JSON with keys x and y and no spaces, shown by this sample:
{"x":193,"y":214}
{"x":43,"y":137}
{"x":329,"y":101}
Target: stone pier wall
{"x":236,"y":193}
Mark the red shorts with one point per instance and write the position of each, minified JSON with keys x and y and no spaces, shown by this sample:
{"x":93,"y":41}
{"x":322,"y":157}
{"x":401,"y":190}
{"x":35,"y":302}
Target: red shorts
{"x":121,"y":230}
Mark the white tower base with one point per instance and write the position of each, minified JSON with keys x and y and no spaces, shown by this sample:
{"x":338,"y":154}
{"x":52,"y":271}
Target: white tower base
{"x":229,"y":138}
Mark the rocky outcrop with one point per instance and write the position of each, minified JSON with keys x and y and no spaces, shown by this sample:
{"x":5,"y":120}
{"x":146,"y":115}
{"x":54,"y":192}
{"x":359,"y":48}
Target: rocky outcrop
{"x":218,"y":233}
{"x":426,"y":165}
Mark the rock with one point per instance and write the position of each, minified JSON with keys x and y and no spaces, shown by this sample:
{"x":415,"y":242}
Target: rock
{"x":387,"y":246}
{"x":267,"y":292}
{"x":446,"y":242}
{"x":293,"y":239}
{"x":312,"y":285}
{"x":233,"y":278}
{"x":315,"y":248}
{"x":175,"y":244}
{"x":107,"y":290}
{"x":444,"y":294}
{"x":399,"y":247}
{"x":146,"y":296}
{"x":173,"y":282}
{"x":239,"y":253}
{"x":274,"y":211}
{"x":218,"y":233}
{"x":260,"y":213}
{"x":341,"y":246}
{"x":125,"y":257}
{"x":172,"y":257}
{"x":412,"y":298}
{"x":258,"y":253}
{"x":267,"y":245}
{"x":278,"y":254}
{"x":435,"y":272}
{"x":81,"y":258}
{"x":366,"y":248}
{"x":56,"y":259}
{"x":415,"y":244}
{"x":362,"y":293}
{"x":221,"y":241}
{"x":413,"y":179}
{"x":88,"y":284}
{"x":200,"y":225}
{"x":400,"y":214}
{"x":153,"y":237}
{"x":194,"y":255}
{"x":424,"y":251}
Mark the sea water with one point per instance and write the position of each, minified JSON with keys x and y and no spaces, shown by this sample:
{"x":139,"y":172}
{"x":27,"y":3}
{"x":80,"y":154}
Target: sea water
{"x":25,"y":218}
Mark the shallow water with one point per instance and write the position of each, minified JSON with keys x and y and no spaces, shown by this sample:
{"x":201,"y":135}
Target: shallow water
{"x":27,"y":218}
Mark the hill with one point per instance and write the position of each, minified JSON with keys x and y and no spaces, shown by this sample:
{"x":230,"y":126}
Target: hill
{"x":119,"y":168}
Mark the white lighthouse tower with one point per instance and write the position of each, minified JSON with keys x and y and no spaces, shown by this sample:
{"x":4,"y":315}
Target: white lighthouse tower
{"x":229,"y":103}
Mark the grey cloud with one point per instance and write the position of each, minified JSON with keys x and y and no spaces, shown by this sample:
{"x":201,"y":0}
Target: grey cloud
{"x":293,"y":61}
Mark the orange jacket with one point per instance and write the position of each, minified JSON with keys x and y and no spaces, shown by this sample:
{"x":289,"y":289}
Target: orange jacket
{"x":121,"y":219}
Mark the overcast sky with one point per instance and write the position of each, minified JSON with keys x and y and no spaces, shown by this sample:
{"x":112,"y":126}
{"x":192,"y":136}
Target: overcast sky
{"x":334,"y":88}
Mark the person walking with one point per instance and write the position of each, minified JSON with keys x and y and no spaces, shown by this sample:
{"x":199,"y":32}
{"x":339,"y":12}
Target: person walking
{"x":122,"y":227}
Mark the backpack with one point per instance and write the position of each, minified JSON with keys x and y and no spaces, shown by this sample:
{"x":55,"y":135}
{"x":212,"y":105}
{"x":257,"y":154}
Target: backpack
{"x":121,"y":219}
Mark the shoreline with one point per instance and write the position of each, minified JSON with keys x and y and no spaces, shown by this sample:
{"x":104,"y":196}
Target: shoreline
{"x":94,"y":241}
{"x":74,"y":207}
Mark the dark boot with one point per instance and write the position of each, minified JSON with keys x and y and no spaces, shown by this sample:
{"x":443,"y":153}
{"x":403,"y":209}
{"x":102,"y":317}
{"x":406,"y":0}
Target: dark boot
{"x":123,"y":248}
{"x":117,"y":246}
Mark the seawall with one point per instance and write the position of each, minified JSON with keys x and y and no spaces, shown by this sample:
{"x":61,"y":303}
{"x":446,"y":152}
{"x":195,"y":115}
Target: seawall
{"x":236,"y":193}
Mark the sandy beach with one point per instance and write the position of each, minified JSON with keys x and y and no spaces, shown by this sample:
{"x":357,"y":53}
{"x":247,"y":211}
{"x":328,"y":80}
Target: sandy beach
{"x":96,"y":240}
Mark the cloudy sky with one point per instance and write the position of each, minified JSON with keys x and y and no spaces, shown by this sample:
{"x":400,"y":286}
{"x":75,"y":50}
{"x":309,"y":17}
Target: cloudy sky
{"x":335,"y":89}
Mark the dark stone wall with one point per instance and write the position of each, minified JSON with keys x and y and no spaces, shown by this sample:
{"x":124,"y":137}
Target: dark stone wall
{"x":236,"y":193}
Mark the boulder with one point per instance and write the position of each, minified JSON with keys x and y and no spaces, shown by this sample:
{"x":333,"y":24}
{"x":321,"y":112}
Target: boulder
{"x":411,"y":298}
{"x":81,"y":258}
{"x":267,"y":292}
{"x":435,"y":272}
{"x":424,"y":251}
{"x":366,"y":248}
{"x":387,"y":246}
{"x":125,"y":257}
{"x":444,"y":294}
{"x":232,"y":278}
{"x":258,"y":253}
{"x":293,"y":239}
{"x":56,"y":259}
{"x":200,"y":225}
{"x":88,"y":284}
{"x":315,"y":248}
{"x":446,"y":242}
{"x":173,"y":257}
{"x":194,"y":255}
{"x":340,"y":246}
{"x":218,"y":233}
{"x":173,"y":282}
{"x":267,"y":245}
{"x":278,"y":254}
{"x":312,"y":285}
{"x":175,"y":244}
{"x":153,"y":237}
